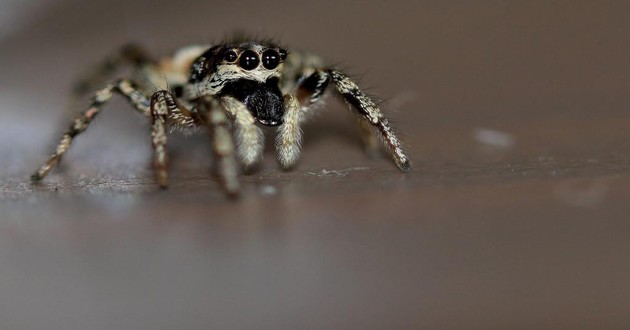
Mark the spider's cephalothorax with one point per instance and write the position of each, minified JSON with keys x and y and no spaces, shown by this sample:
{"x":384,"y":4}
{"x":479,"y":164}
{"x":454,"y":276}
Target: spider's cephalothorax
{"x":248,"y":72}
{"x":229,"y":88}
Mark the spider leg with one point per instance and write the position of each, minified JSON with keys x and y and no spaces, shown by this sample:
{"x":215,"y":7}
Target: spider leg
{"x":162,"y":104}
{"x":249,"y":137}
{"x":222,"y":144}
{"x":289,"y":137}
{"x":311,"y":90}
{"x":164,"y":107}
{"x":372,"y":114}
{"x":81,"y":123}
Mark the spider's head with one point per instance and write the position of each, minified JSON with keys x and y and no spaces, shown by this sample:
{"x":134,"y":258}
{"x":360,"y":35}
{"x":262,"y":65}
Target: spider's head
{"x":247,"y":71}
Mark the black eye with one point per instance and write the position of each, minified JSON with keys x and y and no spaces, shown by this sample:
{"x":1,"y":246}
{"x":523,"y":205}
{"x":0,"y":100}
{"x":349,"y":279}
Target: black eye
{"x":230,"y":56}
{"x":283,"y":54}
{"x":249,"y":60}
{"x":270,"y":59}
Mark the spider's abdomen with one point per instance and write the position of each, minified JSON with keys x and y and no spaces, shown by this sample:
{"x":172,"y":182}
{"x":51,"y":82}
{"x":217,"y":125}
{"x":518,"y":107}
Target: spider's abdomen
{"x":263,"y":99}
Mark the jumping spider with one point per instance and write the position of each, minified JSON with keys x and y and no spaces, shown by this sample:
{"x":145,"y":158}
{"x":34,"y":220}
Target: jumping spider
{"x":228,"y":88}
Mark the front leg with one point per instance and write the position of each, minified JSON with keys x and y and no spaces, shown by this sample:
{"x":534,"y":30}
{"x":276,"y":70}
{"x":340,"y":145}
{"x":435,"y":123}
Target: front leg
{"x":249,"y":137}
{"x":370,"y":112}
{"x":289,"y":138}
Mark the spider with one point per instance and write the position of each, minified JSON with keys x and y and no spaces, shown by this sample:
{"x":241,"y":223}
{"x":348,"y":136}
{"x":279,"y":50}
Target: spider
{"x":229,"y":88}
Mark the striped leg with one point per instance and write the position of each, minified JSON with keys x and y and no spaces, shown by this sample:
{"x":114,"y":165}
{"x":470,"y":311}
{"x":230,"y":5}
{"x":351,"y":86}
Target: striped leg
{"x":161,"y":102}
{"x":311,"y":90}
{"x":81,"y":123}
{"x":164,"y":106}
{"x":289,"y":138}
{"x":222,"y":144}
{"x":370,"y":112}
{"x":249,"y":137}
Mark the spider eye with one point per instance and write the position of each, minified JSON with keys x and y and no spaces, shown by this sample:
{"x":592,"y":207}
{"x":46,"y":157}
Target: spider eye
{"x":270,"y":59}
{"x":283,"y":54}
{"x":249,"y":60}
{"x":230,"y":56}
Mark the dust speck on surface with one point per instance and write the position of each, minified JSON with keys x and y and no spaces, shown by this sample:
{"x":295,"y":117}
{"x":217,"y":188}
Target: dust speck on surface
{"x":268,"y":190}
{"x":493,"y":138}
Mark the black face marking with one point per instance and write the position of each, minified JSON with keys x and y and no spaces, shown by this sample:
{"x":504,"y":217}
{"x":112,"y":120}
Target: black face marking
{"x":249,"y":60}
{"x":270,"y":59}
{"x":203,"y":64}
{"x":263,"y":100}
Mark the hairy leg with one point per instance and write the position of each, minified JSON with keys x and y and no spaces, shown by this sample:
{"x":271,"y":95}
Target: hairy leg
{"x":249,"y":137}
{"x":370,"y":112}
{"x":165,"y":108}
{"x":160,"y":103}
{"x":81,"y":123}
{"x":289,"y":137}
{"x":222,"y":144}
{"x":311,"y":90}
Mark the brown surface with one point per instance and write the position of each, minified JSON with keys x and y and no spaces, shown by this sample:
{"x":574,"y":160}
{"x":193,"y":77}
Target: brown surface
{"x":531,"y":235}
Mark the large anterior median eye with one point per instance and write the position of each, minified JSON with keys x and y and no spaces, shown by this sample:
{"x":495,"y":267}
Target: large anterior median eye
{"x":270,"y":59}
{"x":249,"y":60}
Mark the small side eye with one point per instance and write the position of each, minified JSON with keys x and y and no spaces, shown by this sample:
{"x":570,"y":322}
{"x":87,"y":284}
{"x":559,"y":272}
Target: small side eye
{"x":270,"y":59}
{"x":283,"y":54}
{"x":249,"y":60}
{"x":230,"y":56}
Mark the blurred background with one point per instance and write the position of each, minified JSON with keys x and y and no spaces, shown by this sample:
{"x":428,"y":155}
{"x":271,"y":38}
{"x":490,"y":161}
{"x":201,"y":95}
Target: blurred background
{"x":516,"y":115}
